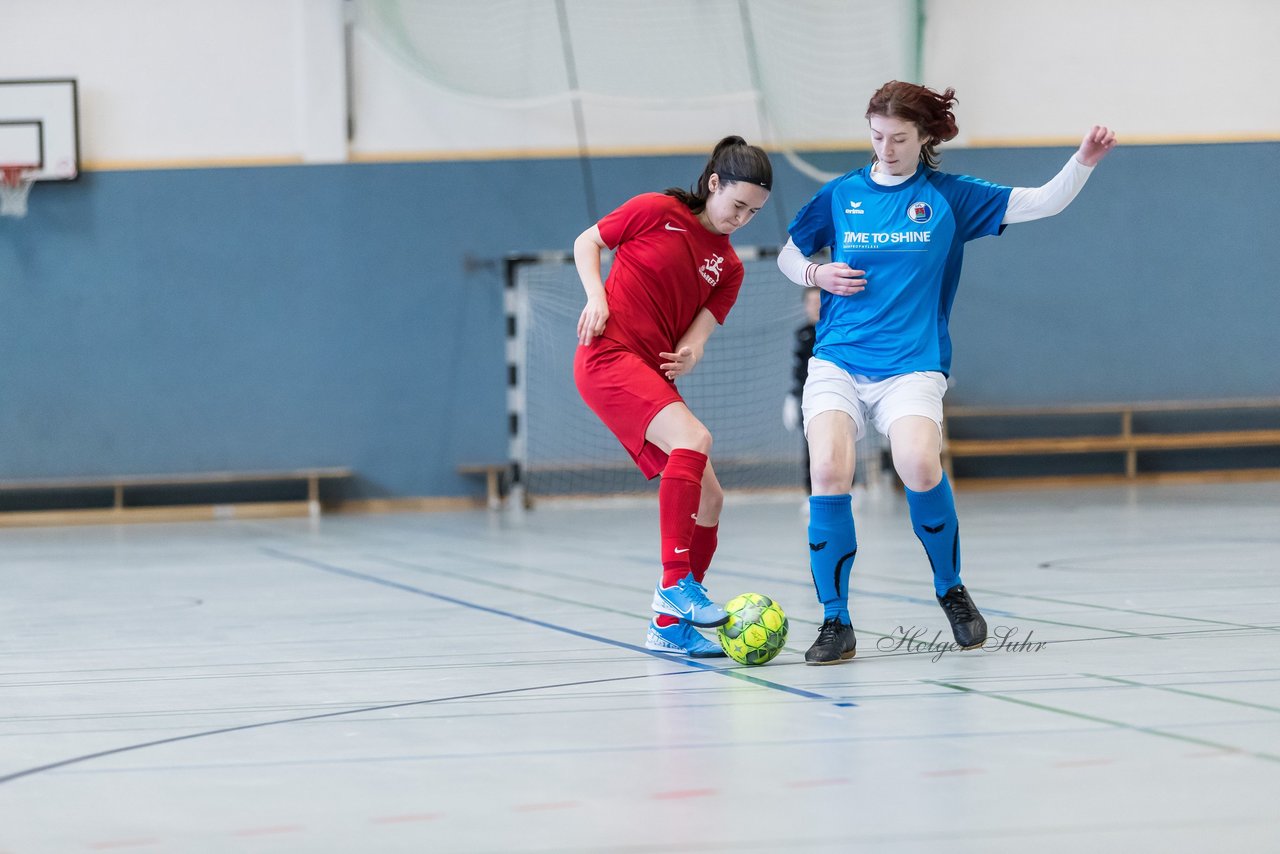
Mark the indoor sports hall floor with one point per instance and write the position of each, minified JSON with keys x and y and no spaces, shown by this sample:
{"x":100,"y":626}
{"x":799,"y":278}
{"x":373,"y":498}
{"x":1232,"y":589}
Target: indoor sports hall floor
{"x":475,"y":682}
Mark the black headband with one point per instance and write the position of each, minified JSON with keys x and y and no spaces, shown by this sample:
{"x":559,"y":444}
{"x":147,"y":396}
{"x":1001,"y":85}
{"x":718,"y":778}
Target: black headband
{"x":728,"y":176}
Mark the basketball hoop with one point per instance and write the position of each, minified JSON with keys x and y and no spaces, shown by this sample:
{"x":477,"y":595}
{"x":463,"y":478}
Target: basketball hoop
{"x":15,"y":184}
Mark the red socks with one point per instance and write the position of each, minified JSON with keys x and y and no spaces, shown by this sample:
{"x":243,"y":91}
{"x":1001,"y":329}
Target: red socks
{"x":701,"y":549}
{"x":686,"y":547}
{"x":678,"y":496}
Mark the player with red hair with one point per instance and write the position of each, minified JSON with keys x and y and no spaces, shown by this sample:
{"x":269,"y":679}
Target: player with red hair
{"x":897,"y":230}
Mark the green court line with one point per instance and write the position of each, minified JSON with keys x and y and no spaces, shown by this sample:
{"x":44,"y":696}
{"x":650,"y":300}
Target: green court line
{"x":1186,"y":739}
{"x":1023,"y":617}
{"x":860,"y":630}
{"x":1124,"y":610}
{"x":1246,"y":704}
{"x":997,"y":592}
{"x":630,"y":588}
{"x":766,"y":564}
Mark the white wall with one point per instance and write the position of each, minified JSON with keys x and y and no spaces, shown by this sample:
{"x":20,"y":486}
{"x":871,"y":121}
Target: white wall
{"x":187,"y":81}
{"x":1157,"y":70}
{"x":194,"y":81}
{"x":649,"y":74}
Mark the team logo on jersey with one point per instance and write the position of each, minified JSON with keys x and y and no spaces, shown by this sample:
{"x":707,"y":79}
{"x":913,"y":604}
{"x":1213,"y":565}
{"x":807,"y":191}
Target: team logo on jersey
{"x":710,"y":269}
{"x":919,"y":212}
{"x":854,"y":208}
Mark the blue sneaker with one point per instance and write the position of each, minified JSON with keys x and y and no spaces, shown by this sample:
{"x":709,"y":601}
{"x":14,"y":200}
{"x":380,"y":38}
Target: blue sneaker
{"x":688,"y":601}
{"x":681,"y":639}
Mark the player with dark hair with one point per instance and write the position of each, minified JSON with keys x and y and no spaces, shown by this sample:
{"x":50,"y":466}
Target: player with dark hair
{"x":897,"y":230}
{"x":674,"y":277}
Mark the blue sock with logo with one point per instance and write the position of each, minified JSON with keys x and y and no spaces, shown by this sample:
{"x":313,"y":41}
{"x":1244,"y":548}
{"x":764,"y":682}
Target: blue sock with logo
{"x":832,"y":547}
{"x":933,"y":517}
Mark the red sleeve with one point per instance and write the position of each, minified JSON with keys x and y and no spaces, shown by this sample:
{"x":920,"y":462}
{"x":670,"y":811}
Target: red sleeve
{"x":635,"y":215}
{"x":725,"y":294}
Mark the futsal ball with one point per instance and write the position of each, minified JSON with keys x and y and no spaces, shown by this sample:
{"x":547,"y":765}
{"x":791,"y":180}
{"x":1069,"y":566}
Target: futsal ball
{"x":756,"y":631}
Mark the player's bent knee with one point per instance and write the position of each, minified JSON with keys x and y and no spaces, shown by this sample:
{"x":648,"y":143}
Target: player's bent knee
{"x":696,"y":439}
{"x":830,"y":477}
{"x":919,"y":474}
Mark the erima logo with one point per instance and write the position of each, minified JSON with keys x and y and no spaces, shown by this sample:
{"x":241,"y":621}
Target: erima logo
{"x":919,"y":212}
{"x":817,"y":547}
{"x":671,"y":227}
{"x":854,"y":208}
{"x":934,"y":530}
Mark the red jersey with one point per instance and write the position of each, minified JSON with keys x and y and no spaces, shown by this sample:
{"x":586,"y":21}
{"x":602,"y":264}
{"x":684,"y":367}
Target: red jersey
{"x":668,"y":267}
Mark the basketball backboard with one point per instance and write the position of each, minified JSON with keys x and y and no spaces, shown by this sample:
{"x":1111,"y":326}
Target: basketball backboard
{"x":39,"y":127}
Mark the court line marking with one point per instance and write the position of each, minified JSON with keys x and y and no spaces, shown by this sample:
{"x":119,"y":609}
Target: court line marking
{"x":498,"y":585}
{"x":907,"y":598}
{"x":1112,"y":634}
{"x":551,"y":597}
{"x":860,"y":629}
{"x":916,"y":600}
{"x":27,"y":772}
{"x":693,"y":665}
{"x":484,"y":562}
{"x":1172,"y":690}
{"x":600,"y":750}
{"x":1115,"y":610}
{"x":1187,"y":739}
{"x":475,"y":606}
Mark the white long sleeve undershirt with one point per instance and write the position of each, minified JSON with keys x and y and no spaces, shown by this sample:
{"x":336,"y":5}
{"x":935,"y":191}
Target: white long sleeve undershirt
{"x":1025,"y":204}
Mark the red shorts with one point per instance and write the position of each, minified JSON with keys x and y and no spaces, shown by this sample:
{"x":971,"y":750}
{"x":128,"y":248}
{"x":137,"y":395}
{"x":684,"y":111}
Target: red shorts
{"x":625,"y":392}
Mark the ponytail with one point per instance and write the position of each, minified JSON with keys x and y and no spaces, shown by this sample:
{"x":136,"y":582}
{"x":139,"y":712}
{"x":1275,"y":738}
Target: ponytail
{"x":733,"y":160}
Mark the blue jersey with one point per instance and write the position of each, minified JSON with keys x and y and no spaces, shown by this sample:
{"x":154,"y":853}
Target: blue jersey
{"x":910,"y":240}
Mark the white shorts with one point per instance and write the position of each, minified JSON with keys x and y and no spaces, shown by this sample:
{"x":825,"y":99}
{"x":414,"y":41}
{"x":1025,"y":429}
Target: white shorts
{"x":830,"y":387}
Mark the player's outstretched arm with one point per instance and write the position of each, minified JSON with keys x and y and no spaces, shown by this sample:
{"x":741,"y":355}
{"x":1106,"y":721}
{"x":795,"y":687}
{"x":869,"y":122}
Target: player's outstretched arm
{"x":1031,"y":203}
{"x":586,"y":257}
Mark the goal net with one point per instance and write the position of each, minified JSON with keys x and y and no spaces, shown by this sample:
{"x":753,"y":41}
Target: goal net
{"x":737,"y":389}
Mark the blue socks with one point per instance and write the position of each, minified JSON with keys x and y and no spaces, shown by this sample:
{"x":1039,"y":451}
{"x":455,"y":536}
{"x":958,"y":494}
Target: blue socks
{"x":832,"y":546}
{"x":833,"y":543}
{"x":933,"y":516}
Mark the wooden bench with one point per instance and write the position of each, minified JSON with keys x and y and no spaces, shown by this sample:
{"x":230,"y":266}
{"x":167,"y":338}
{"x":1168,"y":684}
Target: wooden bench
{"x":1043,"y":428}
{"x":121,"y":486}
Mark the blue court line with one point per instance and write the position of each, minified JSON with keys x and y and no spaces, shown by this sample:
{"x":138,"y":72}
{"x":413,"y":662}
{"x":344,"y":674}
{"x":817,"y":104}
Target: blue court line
{"x":694,"y":666}
{"x":688,"y":662}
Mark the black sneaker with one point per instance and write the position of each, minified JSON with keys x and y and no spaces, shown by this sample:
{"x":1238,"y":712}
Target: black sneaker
{"x":966,"y":623}
{"x":835,"y":644}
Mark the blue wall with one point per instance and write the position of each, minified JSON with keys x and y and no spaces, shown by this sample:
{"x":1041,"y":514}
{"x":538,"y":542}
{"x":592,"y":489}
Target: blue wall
{"x":211,"y":319}
{"x":1158,"y":283}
